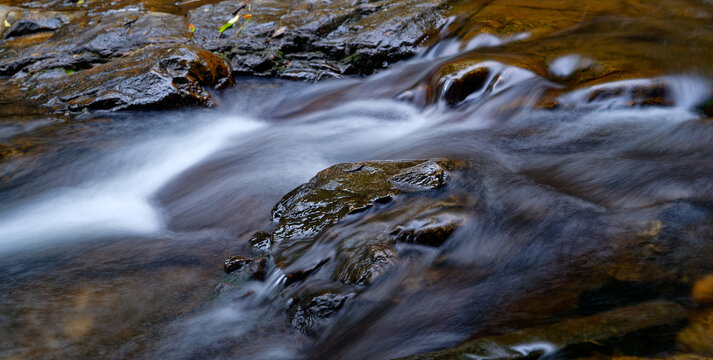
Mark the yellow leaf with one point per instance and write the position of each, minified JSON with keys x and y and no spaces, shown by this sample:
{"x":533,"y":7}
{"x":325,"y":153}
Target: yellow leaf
{"x":191,"y":27}
{"x":80,"y":2}
{"x":7,"y":24}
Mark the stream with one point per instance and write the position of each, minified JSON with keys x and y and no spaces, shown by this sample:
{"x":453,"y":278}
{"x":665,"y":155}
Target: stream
{"x":113,"y":236}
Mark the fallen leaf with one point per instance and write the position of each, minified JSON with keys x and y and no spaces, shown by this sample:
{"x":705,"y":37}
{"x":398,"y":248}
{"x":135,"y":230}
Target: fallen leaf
{"x":229,"y":24}
{"x":191,"y":27}
{"x":80,"y":2}
{"x":225,"y":26}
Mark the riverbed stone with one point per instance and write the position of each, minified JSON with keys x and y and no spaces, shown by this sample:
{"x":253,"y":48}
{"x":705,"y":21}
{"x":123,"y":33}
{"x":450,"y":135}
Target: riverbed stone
{"x":341,"y":190}
{"x":698,"y":335}
{"x":338,"y":233}
{"x":310,"y":309}
{"x":253,"y":268}
{"x":538,"y":341}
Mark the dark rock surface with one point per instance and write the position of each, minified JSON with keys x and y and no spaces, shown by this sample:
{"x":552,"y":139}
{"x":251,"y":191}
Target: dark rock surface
{"x":339,"y":232}
{"x":149,"y":78}
{"x":111,"y":62}
{"x":294,"y":40}
{"x":545,"y":340}
{"x":253,"y":268}
{"x":31,"y":22}
{"x":86,"y":42}
{"x":348,"y":189}
{"x":312,"y":41}
{"x":310,"y":308}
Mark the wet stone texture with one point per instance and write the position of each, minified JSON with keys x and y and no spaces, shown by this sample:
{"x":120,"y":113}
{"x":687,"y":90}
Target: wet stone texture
{"x":149,"y":78}
{"x":338,"y":233}
{"x":310,"y":307}
{"x":311,"y":41}
{"x":113,"y":62}
{"x":44,"y":51}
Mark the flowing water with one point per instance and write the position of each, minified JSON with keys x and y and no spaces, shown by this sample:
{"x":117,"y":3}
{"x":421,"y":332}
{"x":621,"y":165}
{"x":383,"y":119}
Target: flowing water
{"x":113,"y":233}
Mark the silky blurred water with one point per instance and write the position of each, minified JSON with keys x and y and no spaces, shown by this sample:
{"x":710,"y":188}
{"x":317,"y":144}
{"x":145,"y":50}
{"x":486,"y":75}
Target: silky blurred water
{"x":112,"y":235}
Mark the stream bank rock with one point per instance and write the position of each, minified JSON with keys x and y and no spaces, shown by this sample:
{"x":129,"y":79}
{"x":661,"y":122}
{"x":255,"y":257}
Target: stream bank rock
{"x":112,"y":62}
{"x":316,"y":40}
{"x":149,"y":78}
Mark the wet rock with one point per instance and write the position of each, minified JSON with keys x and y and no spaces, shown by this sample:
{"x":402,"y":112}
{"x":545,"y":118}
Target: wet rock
{"x":33,"y":22}
{"x":150,"y":78}
{"x":328,"y":260}
{"x":698,"y":335}
{"x":340,"y":190}
{"x":463,"y":85}
{"x":660,"y":249}
{"x":703,"y":290}
{"x":81,"y":45}
{"x":312,"y":41}
{"x":242,"y":268}
{"x":432,"y":231}
{"x":424,"y":176}
{"x":310,"y":308}
{"x":707,"y":108}
{"x":261,"y":241}
{"x":366,"y":263}
{"x":114,"y":61}
{"x":5,"y":152}
{"x":535,"y":342}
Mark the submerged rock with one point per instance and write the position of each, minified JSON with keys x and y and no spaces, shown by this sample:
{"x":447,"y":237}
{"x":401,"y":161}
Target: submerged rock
{"x":547,"y":339}
{"x":703,"y":290}
{"x":261,"y":241}
{"x":698,"y":335}
{"x":310,"y":308}
{"x":253,"y":268}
